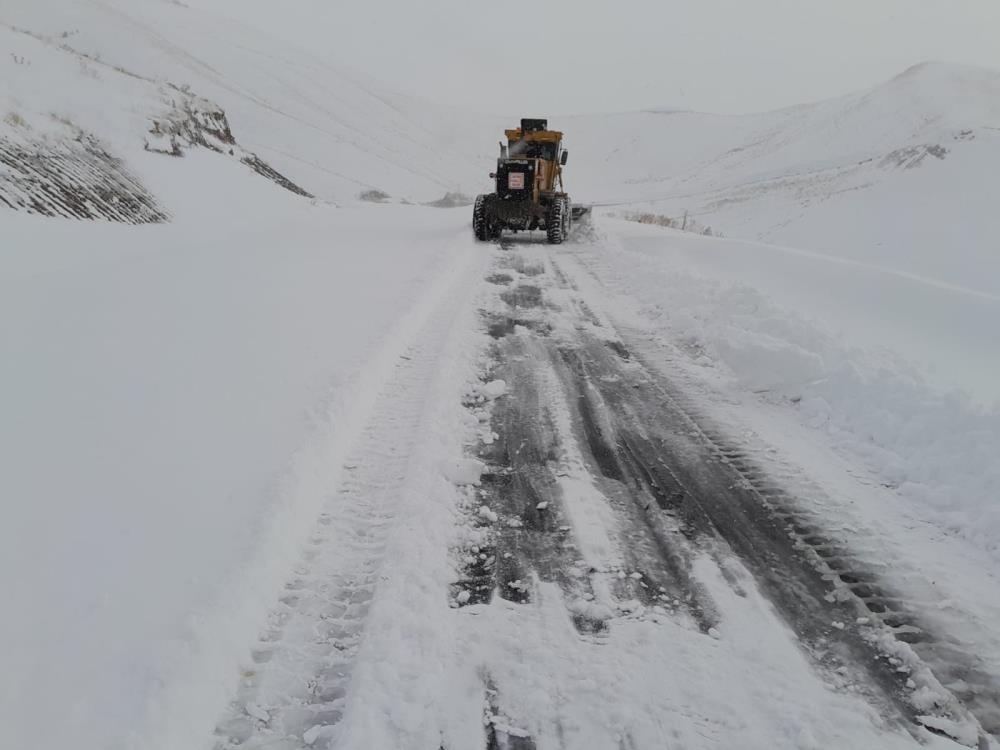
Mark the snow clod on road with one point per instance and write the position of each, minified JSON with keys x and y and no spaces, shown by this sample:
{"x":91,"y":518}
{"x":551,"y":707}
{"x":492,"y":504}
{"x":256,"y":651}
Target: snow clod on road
{"x":463,"y":470}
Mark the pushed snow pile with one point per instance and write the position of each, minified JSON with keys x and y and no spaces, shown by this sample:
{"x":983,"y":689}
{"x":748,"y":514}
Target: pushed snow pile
{"x":452,"y":200}
{"x":775,"y":321}
{"x":764,"y":361}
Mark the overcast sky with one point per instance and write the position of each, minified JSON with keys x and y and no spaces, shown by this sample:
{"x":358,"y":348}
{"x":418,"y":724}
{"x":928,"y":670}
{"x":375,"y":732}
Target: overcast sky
{"x":577,"y":56}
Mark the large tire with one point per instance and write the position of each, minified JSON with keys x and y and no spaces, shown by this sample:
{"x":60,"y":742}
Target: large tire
{"x":557,"y":222}
{"x":482,"y":223}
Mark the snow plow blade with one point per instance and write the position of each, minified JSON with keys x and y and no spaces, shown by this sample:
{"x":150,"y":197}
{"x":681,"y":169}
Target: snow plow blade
{"x":581,"y":212}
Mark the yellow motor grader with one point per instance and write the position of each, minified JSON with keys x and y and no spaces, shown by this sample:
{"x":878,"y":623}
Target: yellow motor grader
{"x":529,"y":190}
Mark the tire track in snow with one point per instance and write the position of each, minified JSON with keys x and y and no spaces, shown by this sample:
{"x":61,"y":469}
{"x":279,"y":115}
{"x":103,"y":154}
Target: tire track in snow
{"x":929,"y":680}
{"x":296,"y":692}
{"x":302,"y":664}
{"x":546,"y":517}
{"x":656,"y":676}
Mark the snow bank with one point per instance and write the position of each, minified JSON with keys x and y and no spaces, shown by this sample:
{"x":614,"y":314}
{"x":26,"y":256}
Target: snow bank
{"x":778,"y":322}
{"x":177,"y":400}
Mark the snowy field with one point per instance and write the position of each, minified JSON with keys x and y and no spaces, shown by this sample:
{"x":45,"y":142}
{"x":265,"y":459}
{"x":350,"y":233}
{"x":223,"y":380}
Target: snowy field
{"x":243,"y":426}
{"x":177,"y":402}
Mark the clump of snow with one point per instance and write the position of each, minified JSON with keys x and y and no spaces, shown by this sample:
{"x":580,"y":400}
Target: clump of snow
{"x":452,"y":200}
{"x":312,"y":734}
{"x":494,"y":389}
{"x":463,"y":470}
{"x":964,"y":732}
{"x":257,"y":712}
{"x":591,"y":610}
{"x":925,"y":698}
{"x":487,"y":514}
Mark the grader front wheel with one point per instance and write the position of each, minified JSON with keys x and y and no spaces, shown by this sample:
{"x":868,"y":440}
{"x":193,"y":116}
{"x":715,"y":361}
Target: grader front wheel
{"x":482,"y":225}
{"x":557,"y":222}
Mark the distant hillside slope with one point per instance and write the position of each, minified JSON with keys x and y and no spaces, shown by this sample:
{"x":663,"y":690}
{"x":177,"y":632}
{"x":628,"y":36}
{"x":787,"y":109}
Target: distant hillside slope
{"x":104,"y":82}
{"x":904,"y":175}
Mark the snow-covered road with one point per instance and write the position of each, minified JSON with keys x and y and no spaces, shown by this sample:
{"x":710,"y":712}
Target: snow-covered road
{"x":357,"y":605}
{"x":626,"y":571}
{"x":467,"y":496}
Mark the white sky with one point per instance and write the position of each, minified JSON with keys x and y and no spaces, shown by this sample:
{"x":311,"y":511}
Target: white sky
{"x":576,"y":56}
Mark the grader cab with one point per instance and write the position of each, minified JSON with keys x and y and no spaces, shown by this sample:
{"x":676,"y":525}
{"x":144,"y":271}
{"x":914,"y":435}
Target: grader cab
{"x":529,"y":191}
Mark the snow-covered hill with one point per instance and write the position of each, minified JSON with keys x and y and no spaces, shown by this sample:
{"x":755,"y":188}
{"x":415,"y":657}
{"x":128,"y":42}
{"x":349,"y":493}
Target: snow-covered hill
{"x":903,"y":175}
{"x":136,"y":80}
